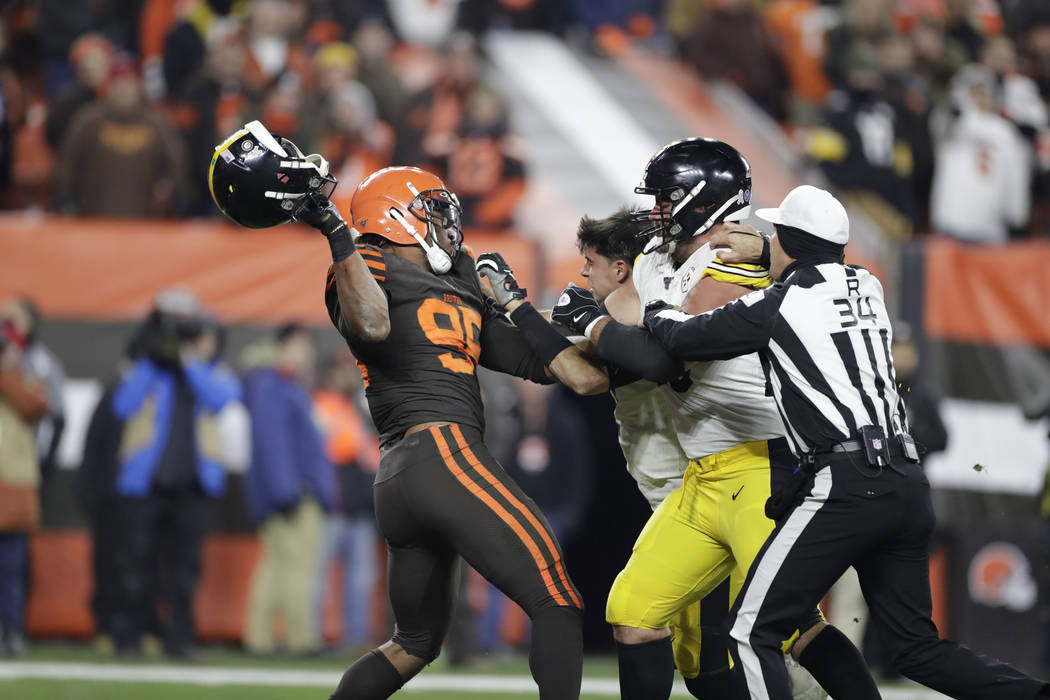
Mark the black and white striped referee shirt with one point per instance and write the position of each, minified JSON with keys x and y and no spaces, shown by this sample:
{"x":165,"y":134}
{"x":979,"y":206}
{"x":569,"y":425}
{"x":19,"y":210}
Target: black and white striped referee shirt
{"x":823,"y":336}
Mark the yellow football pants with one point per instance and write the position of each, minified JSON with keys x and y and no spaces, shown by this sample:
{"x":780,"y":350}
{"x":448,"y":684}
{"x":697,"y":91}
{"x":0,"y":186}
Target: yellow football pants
{"x":711,"y":527}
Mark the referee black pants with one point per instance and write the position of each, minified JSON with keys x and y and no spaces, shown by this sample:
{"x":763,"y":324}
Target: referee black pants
{"x":881,"y":524}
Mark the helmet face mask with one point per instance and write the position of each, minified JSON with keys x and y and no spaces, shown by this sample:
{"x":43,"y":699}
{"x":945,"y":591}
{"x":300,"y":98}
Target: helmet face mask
{"x":392,"y":202}
{"x":697,"y":183}
{"x":260,"y":180}
{"x":440,"y":209}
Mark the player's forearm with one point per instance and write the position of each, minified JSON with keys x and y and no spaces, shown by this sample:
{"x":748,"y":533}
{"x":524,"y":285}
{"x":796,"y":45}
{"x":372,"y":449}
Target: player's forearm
{"x":565,"y":362}
{"x":362,"y":300}
{"x":576,"y":371}
{"x":637,"y":351}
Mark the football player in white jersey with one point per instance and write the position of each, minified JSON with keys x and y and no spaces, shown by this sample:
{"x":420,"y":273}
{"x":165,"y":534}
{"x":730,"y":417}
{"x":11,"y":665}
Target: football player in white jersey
{"x":712,"y":525}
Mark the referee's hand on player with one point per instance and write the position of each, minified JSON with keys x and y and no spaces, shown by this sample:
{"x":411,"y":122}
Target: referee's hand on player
{"x":740,"y":244}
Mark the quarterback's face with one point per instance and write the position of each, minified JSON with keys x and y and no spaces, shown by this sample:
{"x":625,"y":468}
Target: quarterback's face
{"x":604,"y":275}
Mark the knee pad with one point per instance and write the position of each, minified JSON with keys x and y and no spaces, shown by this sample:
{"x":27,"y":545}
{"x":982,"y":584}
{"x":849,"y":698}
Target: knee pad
{"x":424,"y":645}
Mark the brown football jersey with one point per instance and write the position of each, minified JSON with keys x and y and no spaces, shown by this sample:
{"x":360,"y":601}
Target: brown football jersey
{"x":441,"y":329}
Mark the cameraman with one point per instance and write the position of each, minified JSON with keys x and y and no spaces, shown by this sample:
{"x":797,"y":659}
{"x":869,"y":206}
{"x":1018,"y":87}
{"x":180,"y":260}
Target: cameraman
{"x":169,"y":466}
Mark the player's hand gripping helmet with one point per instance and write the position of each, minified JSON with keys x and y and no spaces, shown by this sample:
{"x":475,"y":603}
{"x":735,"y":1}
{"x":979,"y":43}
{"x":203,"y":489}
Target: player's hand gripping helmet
{"x":407,"y":206}
{"x":700,"y":182}
{"x":261,"y":180}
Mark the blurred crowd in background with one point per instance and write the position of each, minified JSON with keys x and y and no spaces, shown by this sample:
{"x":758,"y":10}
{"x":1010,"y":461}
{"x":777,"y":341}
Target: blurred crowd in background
{"x":930,"y":115}
{"x":113,"y":110}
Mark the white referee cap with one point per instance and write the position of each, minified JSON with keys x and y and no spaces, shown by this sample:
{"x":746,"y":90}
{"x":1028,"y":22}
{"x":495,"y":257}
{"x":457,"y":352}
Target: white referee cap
{"x":812,"y":210}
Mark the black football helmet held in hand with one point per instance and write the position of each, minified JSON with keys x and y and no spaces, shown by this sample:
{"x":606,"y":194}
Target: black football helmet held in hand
{"x":260,"y":180}
{"x":701,"y":182}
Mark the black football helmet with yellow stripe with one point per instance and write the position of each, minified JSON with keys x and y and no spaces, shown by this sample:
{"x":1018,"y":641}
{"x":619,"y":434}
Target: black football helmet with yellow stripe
{"x":260,"y":180}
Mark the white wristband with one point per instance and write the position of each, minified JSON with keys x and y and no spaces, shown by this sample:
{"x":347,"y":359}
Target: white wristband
{"x":590,"y":327}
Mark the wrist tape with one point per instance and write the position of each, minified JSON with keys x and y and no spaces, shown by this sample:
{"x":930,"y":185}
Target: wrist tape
{"x":341,"y":243}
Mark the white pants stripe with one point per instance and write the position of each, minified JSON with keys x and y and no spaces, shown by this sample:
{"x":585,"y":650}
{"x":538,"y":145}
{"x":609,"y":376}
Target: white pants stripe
{"x":766,"y":568}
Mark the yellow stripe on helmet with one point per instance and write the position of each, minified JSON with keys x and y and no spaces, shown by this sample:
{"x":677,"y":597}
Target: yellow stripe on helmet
{"x":211,"y":167}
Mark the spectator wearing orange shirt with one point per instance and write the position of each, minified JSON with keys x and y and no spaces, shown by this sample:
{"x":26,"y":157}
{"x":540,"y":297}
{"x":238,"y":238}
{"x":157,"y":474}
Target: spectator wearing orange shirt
{"x":350,"y":529}
{"x":798,"y":27}
{"x":480,"y":164}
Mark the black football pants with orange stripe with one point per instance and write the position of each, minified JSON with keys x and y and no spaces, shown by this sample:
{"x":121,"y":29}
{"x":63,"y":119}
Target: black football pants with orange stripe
{"x":440,"y":494}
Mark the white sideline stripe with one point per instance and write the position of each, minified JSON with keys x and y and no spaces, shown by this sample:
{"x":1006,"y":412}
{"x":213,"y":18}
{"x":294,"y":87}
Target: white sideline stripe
{"x":325,"y":679}
{"x":567,"y":94}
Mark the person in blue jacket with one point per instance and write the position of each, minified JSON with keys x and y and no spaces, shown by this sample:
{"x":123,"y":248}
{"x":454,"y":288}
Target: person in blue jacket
{"x":168,"y":470}
{"x":289,"y":485}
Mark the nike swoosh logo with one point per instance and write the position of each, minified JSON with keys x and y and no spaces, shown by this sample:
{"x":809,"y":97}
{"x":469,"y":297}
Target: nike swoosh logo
{"x":737,"y":492}
{"x":577,"y":317}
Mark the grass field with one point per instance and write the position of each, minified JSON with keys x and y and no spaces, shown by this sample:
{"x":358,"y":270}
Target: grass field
{"x":65,"y":690}
{"x":77,"y":672}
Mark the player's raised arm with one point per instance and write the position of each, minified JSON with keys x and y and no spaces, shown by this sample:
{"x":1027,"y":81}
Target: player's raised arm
{"x":362,"y":301}
{"x":259,"y":179}
{"x":563,"y":360}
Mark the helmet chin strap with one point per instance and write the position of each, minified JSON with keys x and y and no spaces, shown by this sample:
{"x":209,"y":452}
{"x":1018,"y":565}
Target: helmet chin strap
{"x":440,"y":261}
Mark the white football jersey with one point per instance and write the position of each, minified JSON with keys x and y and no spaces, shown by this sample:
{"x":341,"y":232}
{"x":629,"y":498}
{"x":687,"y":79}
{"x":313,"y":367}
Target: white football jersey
{"x":648,"y":439}
{"x":722,"y":403}
{"x":644,"y":411}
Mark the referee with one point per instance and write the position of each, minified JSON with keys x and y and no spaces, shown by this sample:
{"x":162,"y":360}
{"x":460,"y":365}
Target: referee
{"x":860,"y":498}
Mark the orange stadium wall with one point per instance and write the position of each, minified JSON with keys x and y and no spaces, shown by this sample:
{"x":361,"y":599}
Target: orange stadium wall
{"x":111,"y":269}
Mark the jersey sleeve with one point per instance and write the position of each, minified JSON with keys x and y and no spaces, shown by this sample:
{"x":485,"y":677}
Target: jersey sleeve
{"x":744,"y":274}
{"x":375,"y":260}
{"x":504,"y":349}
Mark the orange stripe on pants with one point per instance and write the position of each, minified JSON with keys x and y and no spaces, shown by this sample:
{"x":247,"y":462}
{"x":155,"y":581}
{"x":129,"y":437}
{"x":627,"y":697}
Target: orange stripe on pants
{"x":522,"y":508}
{"x":499,"y":510}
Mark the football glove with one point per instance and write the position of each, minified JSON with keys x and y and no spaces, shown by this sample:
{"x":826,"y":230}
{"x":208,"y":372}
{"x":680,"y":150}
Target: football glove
{"x":495,"y":269}
{"x":652,"y":308}
{"x":576,"y":309}
{"x":318,"y":211}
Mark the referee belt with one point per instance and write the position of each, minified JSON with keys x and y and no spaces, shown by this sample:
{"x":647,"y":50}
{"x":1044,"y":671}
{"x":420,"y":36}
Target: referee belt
{"x":849,"y":446}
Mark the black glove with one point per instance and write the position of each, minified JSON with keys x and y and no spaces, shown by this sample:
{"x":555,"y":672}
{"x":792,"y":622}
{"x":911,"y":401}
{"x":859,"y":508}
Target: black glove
{"x":576,"y":309}
{"x":317,"y":211}
{"x":495,"y":269}
{"x":652,"y":308}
